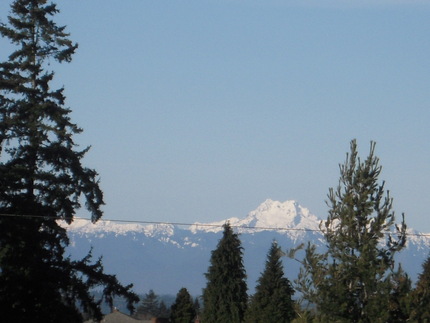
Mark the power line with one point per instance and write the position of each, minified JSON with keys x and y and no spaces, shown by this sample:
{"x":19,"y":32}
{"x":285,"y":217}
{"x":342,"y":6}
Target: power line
{"x":197,"y":224}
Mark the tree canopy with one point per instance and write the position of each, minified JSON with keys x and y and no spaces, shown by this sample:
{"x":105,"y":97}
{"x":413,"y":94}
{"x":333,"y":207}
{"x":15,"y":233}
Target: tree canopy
{"x":42,"y":179}
{"x":350,"y":281}
{"x":151,"y":306}
{"x":272,"y":301}
{"x":421,"y":295}
{"x":183,"y":311}
{"x":225,"y":295}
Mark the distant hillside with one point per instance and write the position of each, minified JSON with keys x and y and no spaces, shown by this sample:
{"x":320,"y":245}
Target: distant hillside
{"x":167,"y":257}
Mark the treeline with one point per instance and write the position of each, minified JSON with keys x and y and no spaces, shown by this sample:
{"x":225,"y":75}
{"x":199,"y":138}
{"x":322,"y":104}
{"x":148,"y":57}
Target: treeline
{"x":183,"y":308}
{"x":272,"y":301}
{"x":43,"y":180}
{"x":355,"y":280}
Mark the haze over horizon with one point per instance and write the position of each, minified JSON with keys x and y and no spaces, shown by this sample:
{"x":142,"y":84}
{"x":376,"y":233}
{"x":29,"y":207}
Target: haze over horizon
{"x":126,"y":247}
{"x":198,"y":111}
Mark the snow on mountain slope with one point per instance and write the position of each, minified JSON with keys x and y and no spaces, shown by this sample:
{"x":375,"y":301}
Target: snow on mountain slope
{"x":84,"y":226}
{"x":420,"y":240}
{"x":166,"y":257}
{"x":268,"y":216}
{"x":289,"y":217}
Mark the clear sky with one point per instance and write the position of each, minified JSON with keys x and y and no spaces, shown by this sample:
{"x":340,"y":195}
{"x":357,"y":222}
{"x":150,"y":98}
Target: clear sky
{"x":200,"y":110}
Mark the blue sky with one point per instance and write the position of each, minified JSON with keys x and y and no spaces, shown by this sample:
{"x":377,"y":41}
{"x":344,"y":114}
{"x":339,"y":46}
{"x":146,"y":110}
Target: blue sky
{"x":200,"y":110}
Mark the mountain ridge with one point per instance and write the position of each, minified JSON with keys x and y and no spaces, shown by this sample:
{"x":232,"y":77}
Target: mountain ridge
{"x":151,"y":255}
{"x":269,"y":215}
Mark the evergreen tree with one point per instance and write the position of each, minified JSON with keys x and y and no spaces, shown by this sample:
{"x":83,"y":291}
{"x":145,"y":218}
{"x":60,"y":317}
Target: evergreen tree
{"x":225,"y":298}
{"x":272,"y":300}
{"x":197,"y":306}
{"x":183,"y":311}
{"x":42,"y":180}
{"x":150,"y":306}
{"x":348,"y":283}
{"x":399,"y":285}
{"x":163,"y":310}
{"x":421,"y":295}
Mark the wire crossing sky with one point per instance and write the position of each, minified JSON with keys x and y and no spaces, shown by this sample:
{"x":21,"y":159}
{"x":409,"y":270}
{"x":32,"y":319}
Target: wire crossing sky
{"x":180,"y":224}
{"x":200,"y":110}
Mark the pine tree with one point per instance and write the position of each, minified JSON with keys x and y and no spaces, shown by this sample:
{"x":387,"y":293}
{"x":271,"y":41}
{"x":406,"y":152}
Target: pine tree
{"x":349,"y":282}
{"x":42,"y":180}
{"x":183,"y":311}
{"x":421,"y":295}
{"x":272,"y":301}
{"x":225,"y":298}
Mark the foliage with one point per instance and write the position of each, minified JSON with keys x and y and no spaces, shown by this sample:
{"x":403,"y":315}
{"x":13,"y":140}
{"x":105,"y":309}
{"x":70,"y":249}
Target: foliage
{"x":183,"y":311}
{"x":225,"y":295}
{"x":197,"y":306}
{"x":42,"y":180}
{"x":303,"y":315}
{"x":272,"y":301}
{"x":399,"y":296}
{"x":163,"y":310}
{"x":421,"y":295}
{"x":349,"y":282}
{"x":152,"y":306}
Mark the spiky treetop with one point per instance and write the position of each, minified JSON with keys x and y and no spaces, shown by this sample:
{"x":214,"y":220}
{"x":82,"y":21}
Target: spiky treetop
{"x":40,"y":163}
{"x":225,"y":295}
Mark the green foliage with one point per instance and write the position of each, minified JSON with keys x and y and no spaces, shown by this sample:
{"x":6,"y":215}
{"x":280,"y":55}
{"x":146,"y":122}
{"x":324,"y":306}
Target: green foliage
{"x":421,"y":295}
{"x":399,"y":296}
{"x":349,"y":282}
{"x":183,"y":311}
{"x":43,"y":180}
{"x":151,"y":306}
{"x":272,"y":300}
{"x":303,"y":315}
{"x":225,"y":295}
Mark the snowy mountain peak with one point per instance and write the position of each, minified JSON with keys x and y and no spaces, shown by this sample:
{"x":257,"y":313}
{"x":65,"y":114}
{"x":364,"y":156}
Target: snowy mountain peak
{"x":269,"y":215}
{"x":288,"y":217}
{"x":139,"y":252}
{"x":275,"y":214}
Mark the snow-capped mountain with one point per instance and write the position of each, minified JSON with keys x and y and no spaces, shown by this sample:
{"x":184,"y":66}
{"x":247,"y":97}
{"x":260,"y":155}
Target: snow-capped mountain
{"x":270,"y":215}
{"x":166,"y":257}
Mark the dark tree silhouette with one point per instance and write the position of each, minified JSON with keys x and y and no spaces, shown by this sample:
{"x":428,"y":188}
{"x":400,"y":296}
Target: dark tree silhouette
{"x":272,"y":301}
{"x":42,"y":180}
{"x":225,"y":298}
{"x":183,"y":311}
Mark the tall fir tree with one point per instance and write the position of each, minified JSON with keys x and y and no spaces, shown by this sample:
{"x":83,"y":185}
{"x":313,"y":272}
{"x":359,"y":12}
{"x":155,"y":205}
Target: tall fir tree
{"x":183,"y":311}
{"x":350,"y":282}
{"x":272,"y":301}
{"x":42,"y":180}
{"x":225,"y":295}
{"x":421,"y":295}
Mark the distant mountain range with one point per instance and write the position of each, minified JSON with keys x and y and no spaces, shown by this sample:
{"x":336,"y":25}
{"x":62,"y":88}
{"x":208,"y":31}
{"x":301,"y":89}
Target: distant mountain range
{"x":166,"y":257}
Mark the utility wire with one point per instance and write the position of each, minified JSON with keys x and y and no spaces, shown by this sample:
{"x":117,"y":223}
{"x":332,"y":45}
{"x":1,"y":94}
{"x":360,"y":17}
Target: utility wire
{"x":196,"y":224}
